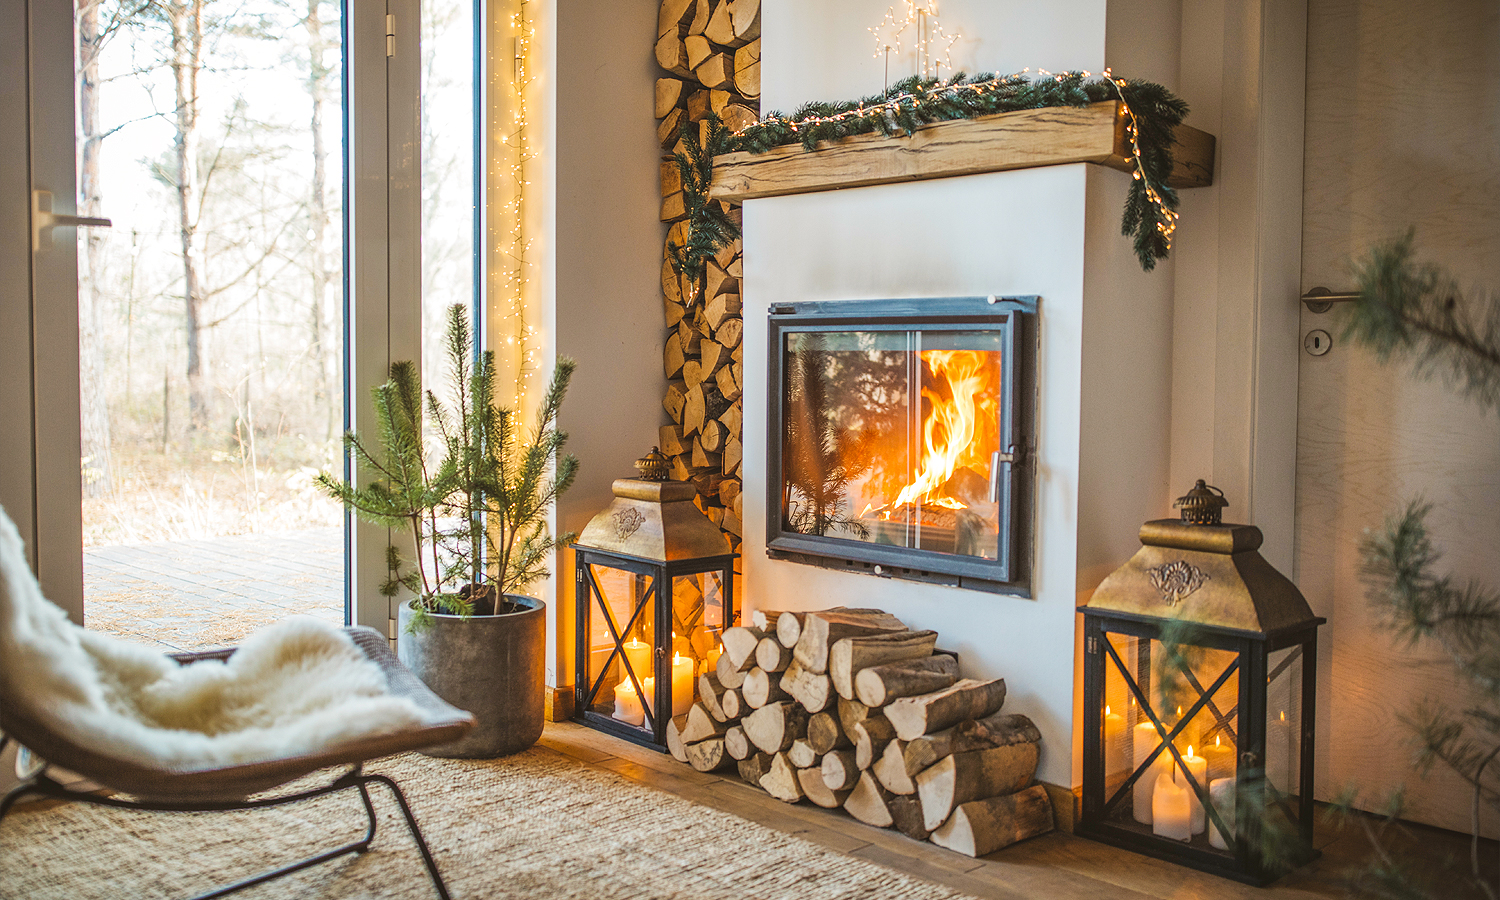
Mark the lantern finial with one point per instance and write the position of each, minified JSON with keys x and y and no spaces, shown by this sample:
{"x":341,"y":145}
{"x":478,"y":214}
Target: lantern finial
{"x":1203,"y":505}
{"x":653,"y":466}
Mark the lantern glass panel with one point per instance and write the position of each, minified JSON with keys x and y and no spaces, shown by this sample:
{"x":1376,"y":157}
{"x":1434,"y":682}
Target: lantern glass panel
{"x":697,"y":620}
{"x":624,"y":607}
{"x":1283,"y":720}
{"x":1199,"y":684}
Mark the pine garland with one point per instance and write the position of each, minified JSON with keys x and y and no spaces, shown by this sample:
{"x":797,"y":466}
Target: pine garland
{"x":1149,"y":216}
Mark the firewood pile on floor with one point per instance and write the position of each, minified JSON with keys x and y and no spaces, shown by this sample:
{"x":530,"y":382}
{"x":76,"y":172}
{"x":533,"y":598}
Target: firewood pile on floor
{"x":848,"y":708}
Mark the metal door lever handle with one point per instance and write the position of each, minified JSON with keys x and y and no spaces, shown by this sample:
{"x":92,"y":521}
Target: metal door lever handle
{"x":43,"y":220}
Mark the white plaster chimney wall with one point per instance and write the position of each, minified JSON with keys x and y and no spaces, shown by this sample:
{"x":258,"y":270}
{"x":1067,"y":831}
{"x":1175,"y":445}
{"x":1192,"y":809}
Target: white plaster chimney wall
{"x":1105,"y":331}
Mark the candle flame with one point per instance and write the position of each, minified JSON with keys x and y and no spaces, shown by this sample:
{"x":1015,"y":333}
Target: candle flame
{"x":1190,"y":750}
{"x":1106,"y":709}
{"x":1216,"y":740}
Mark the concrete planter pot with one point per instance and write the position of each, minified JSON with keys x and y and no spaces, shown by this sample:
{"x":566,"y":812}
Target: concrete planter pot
{"x":491,"y":666}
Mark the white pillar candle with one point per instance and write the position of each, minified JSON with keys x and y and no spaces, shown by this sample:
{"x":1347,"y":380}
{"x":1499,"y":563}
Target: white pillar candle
{"x":638,"y":654}
{"x":1221,"y":795}
{"x":1116,"y":763}
{"x":1144,"y":739}
{"x":1197,"y":766}
{"x":1171,"y":809}
{"x":682,"y":685}
{"x":628,"y":704}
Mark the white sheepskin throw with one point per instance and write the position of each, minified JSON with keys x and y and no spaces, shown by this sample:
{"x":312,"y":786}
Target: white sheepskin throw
{"x":293,"y":688}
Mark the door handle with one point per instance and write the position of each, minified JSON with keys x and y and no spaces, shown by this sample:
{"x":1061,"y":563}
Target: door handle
{"x":43,"y":220}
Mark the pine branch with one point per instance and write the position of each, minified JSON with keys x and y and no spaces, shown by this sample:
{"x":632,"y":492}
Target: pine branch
{"x":1416,"y":311}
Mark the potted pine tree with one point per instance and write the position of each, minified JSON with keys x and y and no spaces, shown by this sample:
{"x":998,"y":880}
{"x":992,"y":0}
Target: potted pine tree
{"x":472,"y":514}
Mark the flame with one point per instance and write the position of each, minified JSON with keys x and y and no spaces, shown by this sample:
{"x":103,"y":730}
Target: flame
{"x":949,"y":433}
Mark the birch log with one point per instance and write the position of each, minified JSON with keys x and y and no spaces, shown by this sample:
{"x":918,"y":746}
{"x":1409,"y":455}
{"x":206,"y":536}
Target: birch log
{"x":821,"y":630}
{"x":839,"y":771}
{"x":879,"y":685}
{"x":926,"y":713}
{"x":780,"y":780}
{"x":818,"y":791}
{"x":810,"y":689}
{"x":999,"y":730}
{"x":851,"y":654}
{"x":761,"y":687}
{"x":773,"y":727}
{"x":825,"y":733}
{"x":890,"y":770}
{"x":984,"y":826}
{"x":868,"y":802}
{"x":736,"y":744}
{"x":708,"y":756}
{"x":975,"y":775}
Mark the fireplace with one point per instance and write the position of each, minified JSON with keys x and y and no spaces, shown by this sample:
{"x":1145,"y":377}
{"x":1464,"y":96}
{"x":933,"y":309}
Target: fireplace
{"x":900,"y":438}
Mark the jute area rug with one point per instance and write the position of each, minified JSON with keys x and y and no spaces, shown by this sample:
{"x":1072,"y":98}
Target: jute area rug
{"x":534,"y":825}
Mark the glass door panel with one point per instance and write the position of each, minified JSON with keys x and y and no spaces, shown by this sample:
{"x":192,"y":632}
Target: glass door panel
{"x":210,"y":315}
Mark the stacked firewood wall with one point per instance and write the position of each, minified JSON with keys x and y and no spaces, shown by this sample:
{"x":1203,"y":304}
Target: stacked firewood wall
{"x":712,"y":50}
{"x":849,"y":708}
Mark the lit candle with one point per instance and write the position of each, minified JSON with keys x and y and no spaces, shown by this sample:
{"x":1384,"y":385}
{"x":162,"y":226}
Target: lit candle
{"x":638,"y":655}
{"x":1171,"y":808}
{"x":1145,"y":739}
{"x":1115,"y":762}
{"x":1197,"y":766}
{"x":1220,"y":759}
{"x":1221,"y":795}
{"x":628,"y":704}
{"x":682,"y":685}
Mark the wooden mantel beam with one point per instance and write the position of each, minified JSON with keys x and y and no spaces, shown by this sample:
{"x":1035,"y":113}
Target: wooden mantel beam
{"x":1014,"y":140}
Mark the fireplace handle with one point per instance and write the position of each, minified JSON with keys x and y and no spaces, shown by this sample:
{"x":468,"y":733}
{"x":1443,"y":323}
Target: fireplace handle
{"x":996,"y":459}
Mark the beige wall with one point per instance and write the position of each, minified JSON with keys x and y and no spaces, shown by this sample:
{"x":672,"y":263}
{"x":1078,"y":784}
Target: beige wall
{"x":1403,"y":128}
{"x":604,"y":259}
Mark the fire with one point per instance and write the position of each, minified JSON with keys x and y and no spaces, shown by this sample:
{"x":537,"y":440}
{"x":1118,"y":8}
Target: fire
{"x":951,"y":433}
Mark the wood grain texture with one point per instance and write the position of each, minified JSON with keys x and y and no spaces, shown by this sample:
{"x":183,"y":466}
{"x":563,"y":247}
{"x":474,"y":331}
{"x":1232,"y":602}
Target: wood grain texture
{"x":1014,"y":140}
{"x":1382,"y":155}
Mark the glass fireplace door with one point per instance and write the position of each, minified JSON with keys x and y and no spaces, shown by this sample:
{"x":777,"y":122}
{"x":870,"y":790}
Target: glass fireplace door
{"x":901,"y":437}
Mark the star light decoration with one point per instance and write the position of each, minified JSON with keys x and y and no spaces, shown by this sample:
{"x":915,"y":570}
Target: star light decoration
{"x":919,"y":27}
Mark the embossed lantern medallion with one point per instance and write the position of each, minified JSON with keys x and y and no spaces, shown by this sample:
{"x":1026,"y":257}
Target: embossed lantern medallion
{"x":655,"y":589}
{"x":1199,"y":691}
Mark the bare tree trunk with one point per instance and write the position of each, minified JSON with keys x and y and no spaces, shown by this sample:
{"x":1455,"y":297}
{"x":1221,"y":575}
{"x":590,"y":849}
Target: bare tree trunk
{"x":185,"y":18}
{"x":322,"y":277}
{"x":97,"y":470}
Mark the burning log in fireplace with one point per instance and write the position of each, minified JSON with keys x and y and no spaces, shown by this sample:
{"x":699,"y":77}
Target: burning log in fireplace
{"x":855,"y":710}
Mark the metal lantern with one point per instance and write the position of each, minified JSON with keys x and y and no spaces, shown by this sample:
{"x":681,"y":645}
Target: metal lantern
{"x":1199,"y":689}
{"x":655,"y":589}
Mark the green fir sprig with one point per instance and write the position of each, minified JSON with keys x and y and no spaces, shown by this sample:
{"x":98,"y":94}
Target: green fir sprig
{"x":914,"y":102}
{"x":709,"y":226}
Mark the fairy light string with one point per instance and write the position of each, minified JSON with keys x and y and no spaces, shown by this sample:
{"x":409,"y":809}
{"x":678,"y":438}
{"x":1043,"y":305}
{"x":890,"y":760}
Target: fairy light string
{"x":1150,"y":110}
{"x":511,"y":298}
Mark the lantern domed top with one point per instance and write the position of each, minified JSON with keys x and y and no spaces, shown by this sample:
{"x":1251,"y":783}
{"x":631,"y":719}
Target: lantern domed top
{"x":1203,"y":505}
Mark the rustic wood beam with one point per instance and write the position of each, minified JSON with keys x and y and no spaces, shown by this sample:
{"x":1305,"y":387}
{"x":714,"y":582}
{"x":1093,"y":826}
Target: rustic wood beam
{"x":1014,"y":140}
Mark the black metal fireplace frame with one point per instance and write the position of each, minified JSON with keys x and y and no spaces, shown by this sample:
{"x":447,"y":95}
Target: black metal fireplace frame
{"x":1015,"y":318}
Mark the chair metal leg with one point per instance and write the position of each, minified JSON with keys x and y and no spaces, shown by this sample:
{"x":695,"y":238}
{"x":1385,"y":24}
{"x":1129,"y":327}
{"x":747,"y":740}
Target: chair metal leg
{"x":355,"y":778}
{"x":411,"y":823}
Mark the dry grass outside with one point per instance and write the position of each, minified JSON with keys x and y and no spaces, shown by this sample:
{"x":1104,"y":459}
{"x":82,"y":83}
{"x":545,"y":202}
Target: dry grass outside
{"x":202,"y":492}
